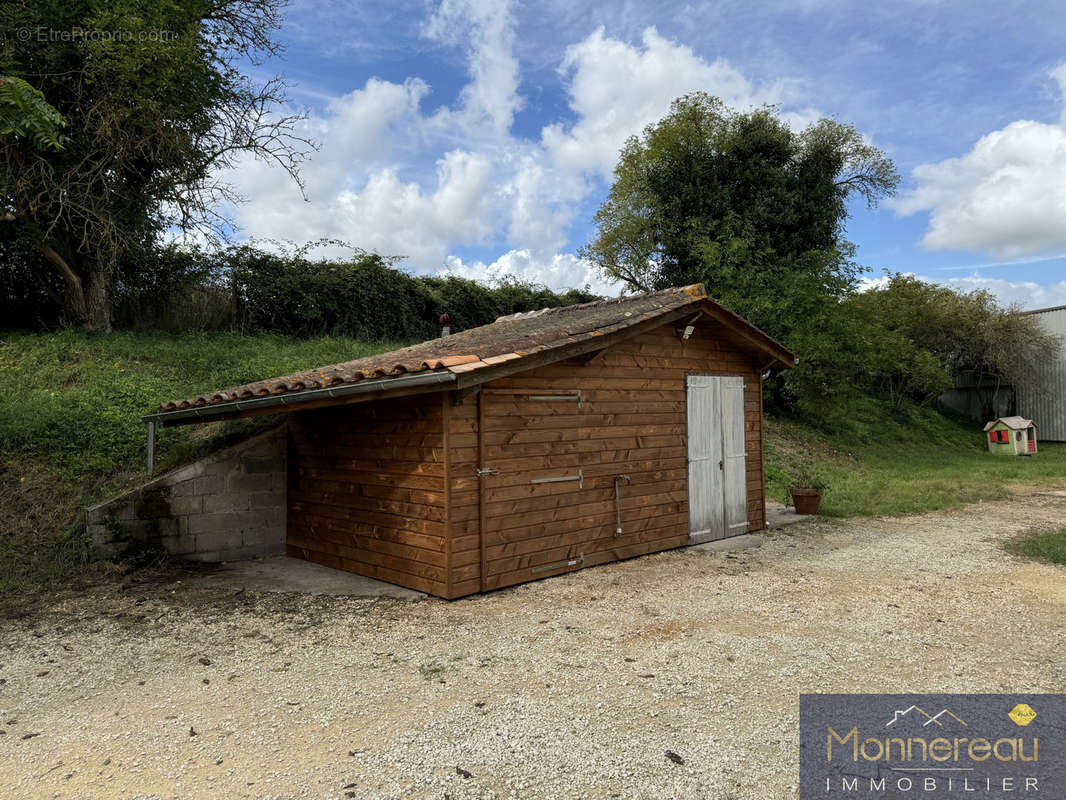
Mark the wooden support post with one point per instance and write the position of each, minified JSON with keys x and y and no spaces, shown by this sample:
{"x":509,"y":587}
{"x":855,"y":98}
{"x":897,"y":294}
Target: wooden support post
{"x":151,"y":447}
{"x":461,"y":395}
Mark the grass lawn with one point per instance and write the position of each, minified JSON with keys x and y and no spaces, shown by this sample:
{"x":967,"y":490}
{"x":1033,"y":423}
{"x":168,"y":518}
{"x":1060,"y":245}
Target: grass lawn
{"x":920,"y":461}
{"x":1049,"y":546}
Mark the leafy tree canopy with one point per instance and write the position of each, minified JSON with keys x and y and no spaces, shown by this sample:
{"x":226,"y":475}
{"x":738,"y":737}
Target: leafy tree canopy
{"x":157,"y":108}
{"x":742,"y":203}
{"x":25,"y":114}
{"x":966,"y":335}
{"x":909,"y":341}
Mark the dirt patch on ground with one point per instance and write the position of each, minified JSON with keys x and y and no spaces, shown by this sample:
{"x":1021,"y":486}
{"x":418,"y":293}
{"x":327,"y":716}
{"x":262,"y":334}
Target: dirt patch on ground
{"x":1050,"y":490}
{"x":571,"y":687}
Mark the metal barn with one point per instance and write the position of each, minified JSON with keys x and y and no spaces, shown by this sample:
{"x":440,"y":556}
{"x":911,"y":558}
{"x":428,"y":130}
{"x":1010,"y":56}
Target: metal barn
{"x":1048,"y":406}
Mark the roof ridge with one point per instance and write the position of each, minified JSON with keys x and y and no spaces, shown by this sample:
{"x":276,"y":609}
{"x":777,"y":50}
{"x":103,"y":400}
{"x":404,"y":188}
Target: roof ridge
{"x":490,"y":345}
{"x":695,"y":290}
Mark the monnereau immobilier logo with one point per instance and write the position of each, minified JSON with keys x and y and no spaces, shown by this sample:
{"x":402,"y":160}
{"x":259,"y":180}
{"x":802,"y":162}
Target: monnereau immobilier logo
{"x":884,"y":746}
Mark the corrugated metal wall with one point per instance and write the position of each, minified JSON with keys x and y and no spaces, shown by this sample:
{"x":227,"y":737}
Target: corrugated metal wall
{"x":1048,"y":408}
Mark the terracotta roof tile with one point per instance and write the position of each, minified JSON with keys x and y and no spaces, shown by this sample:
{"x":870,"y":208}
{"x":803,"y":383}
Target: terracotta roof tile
{"x":470,"y":367}
{"x":454,"y":361}
{"x":501,"y":359}
{"x":511,"y":337}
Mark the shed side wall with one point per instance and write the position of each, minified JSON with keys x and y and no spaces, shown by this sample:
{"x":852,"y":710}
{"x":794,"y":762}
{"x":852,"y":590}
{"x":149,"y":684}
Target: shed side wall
{"x":227,"y":506}
{"x":632,"y":421}
{"x":367,"y":490}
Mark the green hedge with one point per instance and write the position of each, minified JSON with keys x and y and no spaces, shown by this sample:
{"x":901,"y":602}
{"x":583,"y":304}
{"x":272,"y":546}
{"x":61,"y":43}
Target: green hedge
{"x":365,"y":296}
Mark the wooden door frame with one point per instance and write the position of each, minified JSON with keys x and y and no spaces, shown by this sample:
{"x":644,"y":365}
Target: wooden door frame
{"x":710,"y":373}
{"x":481,"y":483}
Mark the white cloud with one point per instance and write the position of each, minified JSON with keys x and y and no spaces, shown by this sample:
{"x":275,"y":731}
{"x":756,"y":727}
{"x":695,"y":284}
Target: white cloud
{"x":398,"y":218}
{"x":1026,"y":294}
{"x":561,"y":271}
{"x":399,"y":176}
{"x":617,"y":89}
{"x":1006,"y":197}
{"x":358,"y":132}
{"x":491,"y":97}
{"x":541,"y":204}
{"x":385,"y":213}
{"x":372,"y":136}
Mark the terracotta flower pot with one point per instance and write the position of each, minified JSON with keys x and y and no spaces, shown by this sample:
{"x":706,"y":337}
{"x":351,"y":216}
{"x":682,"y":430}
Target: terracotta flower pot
{"x":806,"y":501}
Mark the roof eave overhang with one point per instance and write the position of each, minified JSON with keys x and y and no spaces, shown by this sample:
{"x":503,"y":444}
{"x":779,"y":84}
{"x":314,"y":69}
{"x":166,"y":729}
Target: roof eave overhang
{"x":371,"y":389}
{"x":311,"y":398}
{"x":779,"y":356}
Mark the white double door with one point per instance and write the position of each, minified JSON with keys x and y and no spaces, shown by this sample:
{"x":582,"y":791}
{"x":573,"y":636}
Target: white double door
{"x":717,"y":462}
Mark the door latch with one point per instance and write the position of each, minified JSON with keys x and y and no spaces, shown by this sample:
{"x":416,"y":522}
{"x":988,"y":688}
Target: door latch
{"x":483,"y":471}
{"x":721,"y":465}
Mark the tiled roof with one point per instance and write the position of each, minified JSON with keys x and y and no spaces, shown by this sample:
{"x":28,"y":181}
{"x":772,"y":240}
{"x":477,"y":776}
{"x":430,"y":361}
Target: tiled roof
{"x":508,"y":338}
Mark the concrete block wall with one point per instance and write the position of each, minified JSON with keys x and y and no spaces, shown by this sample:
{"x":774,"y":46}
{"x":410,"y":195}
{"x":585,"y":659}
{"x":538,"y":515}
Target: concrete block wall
{"x":228,"y":506}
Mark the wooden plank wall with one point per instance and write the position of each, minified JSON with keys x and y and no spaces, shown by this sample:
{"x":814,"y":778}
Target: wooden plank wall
{"x":367,"y":490}
{"x":632,"y":421}
{"x":389,"y":489}
{"x":464,"y":508}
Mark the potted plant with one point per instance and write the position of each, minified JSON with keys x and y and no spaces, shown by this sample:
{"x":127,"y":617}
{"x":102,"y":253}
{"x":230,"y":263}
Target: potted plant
{"x":806,"y":490}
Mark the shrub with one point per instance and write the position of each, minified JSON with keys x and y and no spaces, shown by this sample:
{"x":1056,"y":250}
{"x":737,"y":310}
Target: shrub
{"x":172,"y":289}
{"x":363,"y":297}
{"x":283,"y":290}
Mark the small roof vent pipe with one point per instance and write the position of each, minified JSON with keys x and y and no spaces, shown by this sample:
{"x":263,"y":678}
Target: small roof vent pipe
{"x":445,"y":325}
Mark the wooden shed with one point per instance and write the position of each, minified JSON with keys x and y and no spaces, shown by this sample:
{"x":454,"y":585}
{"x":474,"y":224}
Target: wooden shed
{"x":541,"y":444}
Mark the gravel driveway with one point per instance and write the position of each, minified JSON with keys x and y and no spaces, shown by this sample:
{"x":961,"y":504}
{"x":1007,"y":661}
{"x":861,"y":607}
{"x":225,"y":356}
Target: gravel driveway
{"x":578,"y":686}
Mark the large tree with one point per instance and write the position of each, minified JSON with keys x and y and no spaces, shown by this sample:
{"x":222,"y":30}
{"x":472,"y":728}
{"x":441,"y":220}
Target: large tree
{"x":157,"y":108}
{"x":928,"y":335}
{"x":741,"y":202}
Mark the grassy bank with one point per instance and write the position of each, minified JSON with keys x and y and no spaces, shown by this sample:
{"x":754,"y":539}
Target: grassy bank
{"x":884,"y":461}
{"x":70,"y":429}
{"x":70,"y":434}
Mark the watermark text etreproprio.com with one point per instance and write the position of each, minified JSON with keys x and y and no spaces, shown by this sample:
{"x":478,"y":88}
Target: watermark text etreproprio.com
{"x":93,"y":35}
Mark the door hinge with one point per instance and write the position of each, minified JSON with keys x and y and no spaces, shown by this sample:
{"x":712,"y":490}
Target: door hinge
{"x":580,"y":478}
{"x":556,"y":397}
{"x":573,"y":562}
{"x":483,"y":471}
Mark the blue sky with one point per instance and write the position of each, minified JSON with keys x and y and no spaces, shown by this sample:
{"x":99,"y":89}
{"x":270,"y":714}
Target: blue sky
{"x":478,"y":136}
